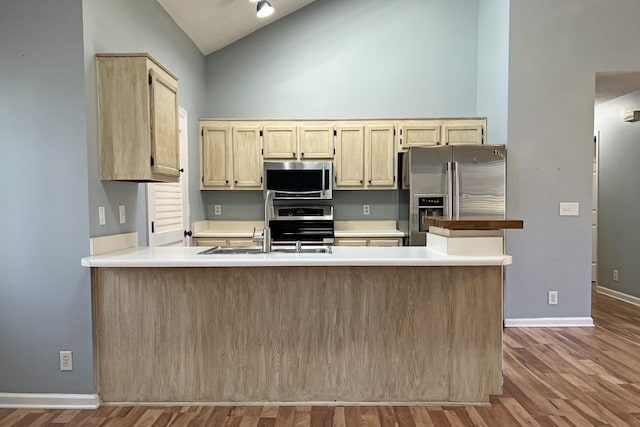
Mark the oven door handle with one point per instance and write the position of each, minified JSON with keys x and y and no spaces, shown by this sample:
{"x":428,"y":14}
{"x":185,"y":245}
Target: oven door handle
{"x":295,"y":192}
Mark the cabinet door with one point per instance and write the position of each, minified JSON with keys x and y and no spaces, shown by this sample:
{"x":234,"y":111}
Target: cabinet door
{"x":165,"y":146}
{"x":384,"y":242}
{"x":242,"y":242}
{"x":280,"y":142}
{"x":381,"y":156}
{"x":350,"y":242}
{"x":247,"y":164}
{"x":419,"y":133}
{"x":207,"y":241}
{"x":460,"y":132}
{"x":216,"y":157}
{"x":316,"y":141}
{"x":349,"y":159}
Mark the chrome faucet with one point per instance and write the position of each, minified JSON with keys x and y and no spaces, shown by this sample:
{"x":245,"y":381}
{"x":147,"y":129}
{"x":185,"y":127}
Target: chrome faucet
{"x":266,"y":231}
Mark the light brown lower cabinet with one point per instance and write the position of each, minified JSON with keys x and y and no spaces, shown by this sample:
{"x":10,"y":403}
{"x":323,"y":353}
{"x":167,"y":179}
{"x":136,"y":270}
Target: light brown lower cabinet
{"x":338,"y":334}
{"x":212,"y":241}
{"x":352,"y":241}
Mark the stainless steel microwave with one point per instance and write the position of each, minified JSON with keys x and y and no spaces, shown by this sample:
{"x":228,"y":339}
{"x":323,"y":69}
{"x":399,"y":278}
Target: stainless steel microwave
{"x":299,"y":180}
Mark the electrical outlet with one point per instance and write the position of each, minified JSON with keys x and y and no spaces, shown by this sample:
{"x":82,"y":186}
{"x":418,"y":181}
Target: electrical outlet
{"x":123,"y":217}
{"x":66,"y":361}
{"x":101,"y":216}
{"x":569,"y":209}
{"x":615,"y":275}
{"x":365,"y":209}
{"x":553,"y":297}
{"x":217,"y":210}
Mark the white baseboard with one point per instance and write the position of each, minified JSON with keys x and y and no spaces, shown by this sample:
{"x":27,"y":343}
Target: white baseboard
{"x":618,"y":295}
{"x":49,"y":401}
{"x":549,"y":322}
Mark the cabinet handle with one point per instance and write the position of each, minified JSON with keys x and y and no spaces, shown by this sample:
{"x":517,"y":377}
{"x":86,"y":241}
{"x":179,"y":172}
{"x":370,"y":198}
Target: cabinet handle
{"x":400,"y":138}
{"x":369,"y":181}
{"x":293,"y":155}
{"x":361,"y":181}
{"x":235,"y":182}
{"x":302,"y":154}
{"x":227,"y":181}
{"x":187,"y":233}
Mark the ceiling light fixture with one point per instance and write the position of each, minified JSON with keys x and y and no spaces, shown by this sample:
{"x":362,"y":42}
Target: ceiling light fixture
{"x":264,"y":9}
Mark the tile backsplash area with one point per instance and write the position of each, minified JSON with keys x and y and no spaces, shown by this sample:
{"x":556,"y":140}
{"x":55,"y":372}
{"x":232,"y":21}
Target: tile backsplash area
{"x":347,"y":205}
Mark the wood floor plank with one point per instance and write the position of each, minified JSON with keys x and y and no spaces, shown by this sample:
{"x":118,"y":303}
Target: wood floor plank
{"x":552,"y":377}
{"x":269,"y":412}
{"x":338,"y":417}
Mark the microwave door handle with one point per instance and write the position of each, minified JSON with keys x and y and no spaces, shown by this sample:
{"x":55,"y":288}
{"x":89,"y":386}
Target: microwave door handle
{"x":323,"y":179}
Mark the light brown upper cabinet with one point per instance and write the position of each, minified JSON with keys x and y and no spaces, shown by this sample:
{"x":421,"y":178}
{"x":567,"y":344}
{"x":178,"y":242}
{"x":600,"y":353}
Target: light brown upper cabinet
{"x":466,"y":131}
{"x":349,"y":160}
{"x":230,"y":156}
{"x":138,"y":113}
{"x":365,"y":156}
{"x":215,"y":156}
{"x":280,"y":141}
{"x":418,"y":133}
{"x":380,"y":155}
{"x":247,"y":163}
{"x":421,"y":133}
{"x":315,"y":140}
{"x":297,"y":141}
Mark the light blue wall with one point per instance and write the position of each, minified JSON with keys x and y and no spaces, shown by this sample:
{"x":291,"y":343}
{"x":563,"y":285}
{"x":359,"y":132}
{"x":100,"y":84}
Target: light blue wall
{"x":248,"y":205}
{"x":349,"y":59}
{"x":50,"y":173}
{"x":555,"y":50}
{"x":493,"y":67}
{"x":352,"y":59}
{"x":44,"y":222}
{"x":138,"y":26}
{"x":619,"y":197}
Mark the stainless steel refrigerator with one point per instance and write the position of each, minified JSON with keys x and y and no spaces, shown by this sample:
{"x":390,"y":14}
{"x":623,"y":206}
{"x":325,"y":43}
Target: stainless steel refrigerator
{"x":454,"y":181}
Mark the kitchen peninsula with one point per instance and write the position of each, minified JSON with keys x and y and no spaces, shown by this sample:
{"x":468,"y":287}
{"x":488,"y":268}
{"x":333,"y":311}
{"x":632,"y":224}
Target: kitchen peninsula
{"x":358,"y":325}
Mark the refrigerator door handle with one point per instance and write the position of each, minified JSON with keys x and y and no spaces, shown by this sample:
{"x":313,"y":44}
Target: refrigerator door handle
{"x":449,"y":190}
{"x":457,"y":168}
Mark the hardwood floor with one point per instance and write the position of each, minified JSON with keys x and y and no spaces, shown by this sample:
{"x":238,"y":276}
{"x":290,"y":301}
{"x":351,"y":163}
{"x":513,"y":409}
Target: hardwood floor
{"x":552,"y":377}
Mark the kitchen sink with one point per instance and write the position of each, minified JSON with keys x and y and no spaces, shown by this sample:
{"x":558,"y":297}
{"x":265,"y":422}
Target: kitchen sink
{"x":239,"y":250}
{"x":303,"y":250}
{"x":232,"y":250}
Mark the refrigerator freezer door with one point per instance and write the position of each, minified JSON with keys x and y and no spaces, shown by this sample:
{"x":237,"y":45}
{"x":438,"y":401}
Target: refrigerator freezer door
{"x":429,"y":169}
{"x":480,"y":171}
{"x":428,"y":176}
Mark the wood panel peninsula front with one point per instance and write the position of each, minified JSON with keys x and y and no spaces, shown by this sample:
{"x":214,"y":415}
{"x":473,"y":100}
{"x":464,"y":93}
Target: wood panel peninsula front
{"x":359,"y":325}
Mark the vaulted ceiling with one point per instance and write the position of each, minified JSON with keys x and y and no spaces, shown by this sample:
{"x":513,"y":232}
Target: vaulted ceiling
{"x":214,"y":24}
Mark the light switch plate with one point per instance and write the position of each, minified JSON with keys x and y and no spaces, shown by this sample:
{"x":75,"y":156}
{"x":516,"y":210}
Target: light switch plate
{"x":123,"y":218}
{"x":569,"y":209}
{"x":101,"y":216}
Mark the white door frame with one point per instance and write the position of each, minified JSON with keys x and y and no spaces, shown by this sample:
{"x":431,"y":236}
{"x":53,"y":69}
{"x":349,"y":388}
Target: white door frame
{"x":174,"y":238}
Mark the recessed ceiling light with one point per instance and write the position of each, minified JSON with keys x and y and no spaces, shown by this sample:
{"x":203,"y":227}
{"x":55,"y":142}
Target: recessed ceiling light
{"x":264,"y":9}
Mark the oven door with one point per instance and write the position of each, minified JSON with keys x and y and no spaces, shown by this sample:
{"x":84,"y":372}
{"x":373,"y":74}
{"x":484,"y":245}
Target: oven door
{"x":305,"y":231}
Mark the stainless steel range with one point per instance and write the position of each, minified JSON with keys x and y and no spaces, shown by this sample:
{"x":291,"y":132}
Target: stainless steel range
{"x":308,"y":224}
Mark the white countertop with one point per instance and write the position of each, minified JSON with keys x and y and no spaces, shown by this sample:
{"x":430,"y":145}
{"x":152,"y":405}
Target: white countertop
{"x":341,"y":256}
